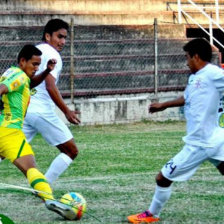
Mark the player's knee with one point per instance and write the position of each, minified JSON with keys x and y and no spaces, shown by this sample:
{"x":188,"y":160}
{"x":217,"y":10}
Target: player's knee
{"x":72,"y":152}
{"x":75,"y":153}
{"x":69,"y":148}
{"x":220,"y":167}
{"x":162,"y":181}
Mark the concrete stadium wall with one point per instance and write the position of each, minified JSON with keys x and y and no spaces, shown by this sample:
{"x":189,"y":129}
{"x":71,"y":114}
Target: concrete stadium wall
{"x":123,"y":109}
{"x":86,"y":6}
{"x":84,"y":12}
{"x":97,"y":12}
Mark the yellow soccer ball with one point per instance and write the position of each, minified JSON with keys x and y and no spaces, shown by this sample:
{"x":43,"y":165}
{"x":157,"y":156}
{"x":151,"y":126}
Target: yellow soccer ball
{"x":77,"y":202}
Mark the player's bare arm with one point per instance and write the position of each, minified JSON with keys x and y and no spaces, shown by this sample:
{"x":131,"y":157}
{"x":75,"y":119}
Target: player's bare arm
{"x":155,"y":107}
{"x":37,"y":79}
{"x":3,"y":89}
{"x":58,"y":100}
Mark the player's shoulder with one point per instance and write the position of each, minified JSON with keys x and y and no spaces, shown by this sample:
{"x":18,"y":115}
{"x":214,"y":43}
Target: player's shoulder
{"x":13,"y":72}
{"x":211,"y":70}
{"x":214,"y":67}
{"x":10,"y":71}
{"x":14,"y":77}
{"x":214,"y":72}
{"x":46,"y":48}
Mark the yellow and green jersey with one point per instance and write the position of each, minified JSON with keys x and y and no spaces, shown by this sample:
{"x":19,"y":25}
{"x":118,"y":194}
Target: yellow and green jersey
{"x":16,"y":101}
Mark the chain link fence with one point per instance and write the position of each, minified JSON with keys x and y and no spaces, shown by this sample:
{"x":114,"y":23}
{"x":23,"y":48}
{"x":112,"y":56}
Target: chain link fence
{"x":107,"y":60}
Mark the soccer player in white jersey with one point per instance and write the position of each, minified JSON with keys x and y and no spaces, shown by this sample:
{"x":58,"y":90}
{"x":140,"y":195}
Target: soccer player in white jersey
{"x":204,"y":139}
{"x":41,"y":117}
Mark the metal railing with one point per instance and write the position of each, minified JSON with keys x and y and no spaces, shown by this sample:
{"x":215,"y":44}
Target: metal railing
{"x":183,"y":10}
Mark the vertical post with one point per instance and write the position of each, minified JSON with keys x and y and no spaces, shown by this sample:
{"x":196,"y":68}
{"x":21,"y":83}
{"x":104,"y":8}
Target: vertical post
{"x":155,"y":57}
{"x":72,"y":61}
{"x":179,"y":11}
{"x":217,"y":10}
{"x":210,"y":30}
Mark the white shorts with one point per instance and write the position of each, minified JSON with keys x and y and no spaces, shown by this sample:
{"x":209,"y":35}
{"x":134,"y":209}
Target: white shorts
{"x":182,"y":166}
{"x":51,"y":127}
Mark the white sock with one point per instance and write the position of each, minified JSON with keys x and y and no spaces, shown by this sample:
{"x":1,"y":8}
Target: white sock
{"x":161,"y":196}
{"x":57,"y":167}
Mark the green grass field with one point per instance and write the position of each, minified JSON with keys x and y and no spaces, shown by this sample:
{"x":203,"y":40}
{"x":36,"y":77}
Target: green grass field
{"x":115,"y":171}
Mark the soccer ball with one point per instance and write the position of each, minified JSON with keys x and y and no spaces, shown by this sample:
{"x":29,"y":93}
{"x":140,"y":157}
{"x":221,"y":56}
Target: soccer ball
{"x":77,"y":202}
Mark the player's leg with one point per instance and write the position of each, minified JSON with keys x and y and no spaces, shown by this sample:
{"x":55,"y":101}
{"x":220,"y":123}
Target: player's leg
{"x":20,"y":153}
{"x":13,"y":146}
{"x":39,"y":182}
{"x":68,"y":153}
{"x":161,"y":196}
{"x":220,"y":167}
{"x":56,"y":133}
{"x":180,"y":168}
{"x":217,"y":157}
{"x":218,"y":164}
{"x":35,"y":178}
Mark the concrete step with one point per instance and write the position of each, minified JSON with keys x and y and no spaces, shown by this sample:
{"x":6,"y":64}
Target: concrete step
{"x":27,"y":18}
{"x":125,"y":47}
{"x":95,"y":32}
{"x":85,"y":12}
{"x":83,"y":6}
{"x":126,"y":63}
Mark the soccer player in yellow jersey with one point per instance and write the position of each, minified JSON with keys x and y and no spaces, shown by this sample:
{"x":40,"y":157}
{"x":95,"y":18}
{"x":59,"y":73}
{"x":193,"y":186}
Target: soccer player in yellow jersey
{"x":15,"y":85}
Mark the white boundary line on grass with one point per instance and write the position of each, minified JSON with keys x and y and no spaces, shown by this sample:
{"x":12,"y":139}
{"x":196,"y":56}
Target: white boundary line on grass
{"x":7,"y":186}
{"x":111,"y":177}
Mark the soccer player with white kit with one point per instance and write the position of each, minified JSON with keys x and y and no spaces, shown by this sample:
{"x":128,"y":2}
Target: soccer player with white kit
{"x":41,"y":116}
{"x":204,"y":139}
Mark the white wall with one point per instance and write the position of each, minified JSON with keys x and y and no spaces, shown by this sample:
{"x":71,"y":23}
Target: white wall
{"x":123,"y":109}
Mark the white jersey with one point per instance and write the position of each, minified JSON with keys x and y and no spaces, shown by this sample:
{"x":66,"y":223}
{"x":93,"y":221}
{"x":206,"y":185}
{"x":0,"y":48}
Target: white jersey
{"x":41,"y":102}
{"x":202,"y":96}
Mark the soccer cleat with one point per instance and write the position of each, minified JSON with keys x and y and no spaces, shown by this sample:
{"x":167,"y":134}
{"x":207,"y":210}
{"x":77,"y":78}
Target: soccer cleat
{"x":64,"y":210}
{"x":144,"y":217}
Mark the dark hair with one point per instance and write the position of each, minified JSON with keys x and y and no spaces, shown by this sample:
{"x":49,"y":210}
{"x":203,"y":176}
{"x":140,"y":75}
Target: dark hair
{"x":201,"y":47}
{"x":28,"y":51}
{"x":54,"y":25}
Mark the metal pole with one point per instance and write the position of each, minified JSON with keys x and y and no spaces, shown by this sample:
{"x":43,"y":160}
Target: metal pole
{"x":156,"y":57}
{"x":179,"y":11}
{"x":72,"y":74}
{"x":217,"y":10}
{"x":210,"y":31}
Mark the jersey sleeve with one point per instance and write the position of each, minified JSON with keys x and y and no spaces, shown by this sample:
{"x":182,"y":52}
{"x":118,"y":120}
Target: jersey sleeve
{"x":218,"y":79}
{"x":15,"y":81}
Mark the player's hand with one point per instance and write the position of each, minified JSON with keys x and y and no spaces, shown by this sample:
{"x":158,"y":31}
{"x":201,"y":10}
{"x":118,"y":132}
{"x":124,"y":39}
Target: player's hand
{"x":72,"y":116}
{"x":155,"y":107}
{"x":51,"y":64}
